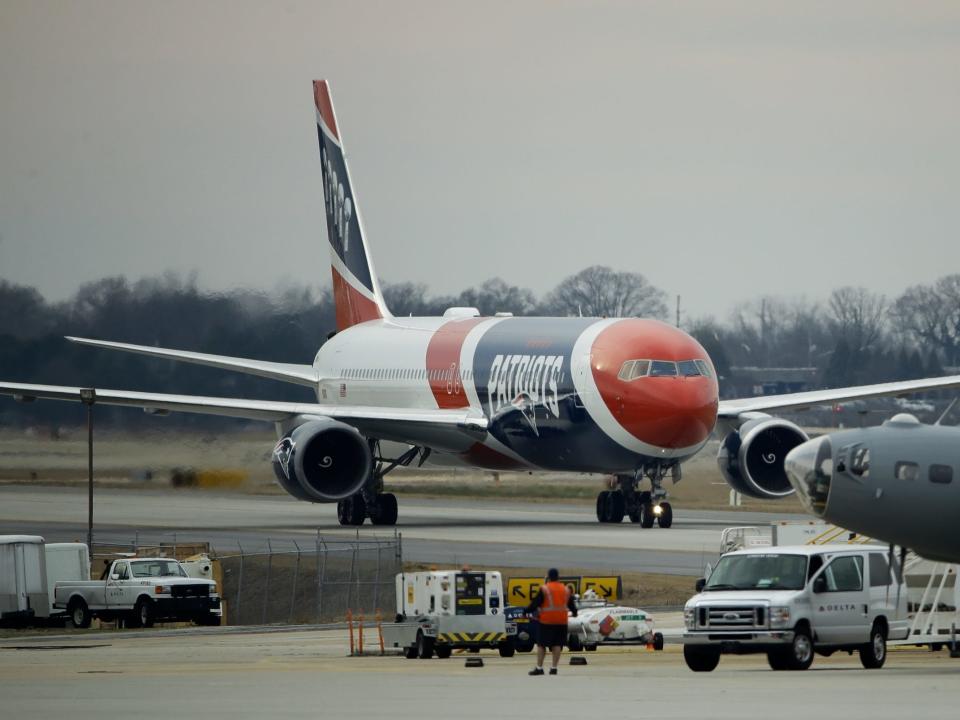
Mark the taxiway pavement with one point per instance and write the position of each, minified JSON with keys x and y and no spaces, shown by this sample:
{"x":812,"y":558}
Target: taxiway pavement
{"x":306,"y":673}
{"x":449,"y":530}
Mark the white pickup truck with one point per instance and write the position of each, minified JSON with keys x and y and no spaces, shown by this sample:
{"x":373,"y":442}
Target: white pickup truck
{"x":140,"y":591}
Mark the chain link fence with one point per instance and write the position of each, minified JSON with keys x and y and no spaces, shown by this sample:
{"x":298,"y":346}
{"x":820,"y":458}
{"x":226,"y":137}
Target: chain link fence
{"x":289,"y":581}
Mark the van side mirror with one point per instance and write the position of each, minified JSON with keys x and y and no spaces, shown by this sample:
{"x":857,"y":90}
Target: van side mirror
{"x":701,"y":582}
{"x":820,"y":585}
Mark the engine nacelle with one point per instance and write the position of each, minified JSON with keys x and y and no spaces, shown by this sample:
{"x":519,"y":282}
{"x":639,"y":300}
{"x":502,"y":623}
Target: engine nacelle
{"x":322,"y":461}
{"x":751,"y":458}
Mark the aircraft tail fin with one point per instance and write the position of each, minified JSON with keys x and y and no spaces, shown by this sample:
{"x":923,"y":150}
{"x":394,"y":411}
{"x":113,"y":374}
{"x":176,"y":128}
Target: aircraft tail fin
{"x":356,"y":290}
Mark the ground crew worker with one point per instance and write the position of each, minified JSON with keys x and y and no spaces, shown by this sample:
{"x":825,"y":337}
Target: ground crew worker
{"x":551,"y":603}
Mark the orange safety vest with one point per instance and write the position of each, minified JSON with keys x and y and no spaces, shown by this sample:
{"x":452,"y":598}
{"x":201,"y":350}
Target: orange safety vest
{"x":554,"y":608}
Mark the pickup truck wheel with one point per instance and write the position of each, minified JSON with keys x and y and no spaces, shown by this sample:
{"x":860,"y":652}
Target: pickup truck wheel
{"x":79,"y":613}
{"x":874,"y":653}
{"x":410,"y":653}
{"x":575,"y":643}
{"x":424,"y":646}
{"x":701,"y":658}
{"x":444,"y":651}
{"x":143,"y":612}
{"x":800,"y":654}
{"x":658,"y":641}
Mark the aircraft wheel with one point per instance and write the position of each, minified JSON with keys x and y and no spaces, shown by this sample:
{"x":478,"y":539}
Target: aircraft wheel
{"x":385,"y":511}
{"x":665,"y":519}
{"x":616,"y":506}
{"x":646,"y":515}
{"x":351,"y":510}
{"x":602,"y":505}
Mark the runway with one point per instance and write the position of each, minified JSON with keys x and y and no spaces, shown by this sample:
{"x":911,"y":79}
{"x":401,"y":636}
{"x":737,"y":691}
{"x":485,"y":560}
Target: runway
{"x":306,"y":673}
{"x":451,"y":530}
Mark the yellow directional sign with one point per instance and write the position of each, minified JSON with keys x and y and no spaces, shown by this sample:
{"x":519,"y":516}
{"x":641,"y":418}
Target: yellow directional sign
{"x":522,"y":590}
{"x":609,"y":588}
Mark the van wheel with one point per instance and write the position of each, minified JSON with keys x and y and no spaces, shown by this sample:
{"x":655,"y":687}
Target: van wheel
{"x":506,"y":649}
{"x":143,"y":612}
{"x":799,"y":656}
{"x":874,"y":653}
{"x":701,"y":658}
{"x":79,"y":613}
{"x":424,"y":646}
{"x":777,"y":659}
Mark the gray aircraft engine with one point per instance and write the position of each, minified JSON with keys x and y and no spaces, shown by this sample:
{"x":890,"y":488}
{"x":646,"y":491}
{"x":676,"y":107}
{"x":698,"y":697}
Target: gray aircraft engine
{"x":322,"y":461}
{"x":751,"y":458}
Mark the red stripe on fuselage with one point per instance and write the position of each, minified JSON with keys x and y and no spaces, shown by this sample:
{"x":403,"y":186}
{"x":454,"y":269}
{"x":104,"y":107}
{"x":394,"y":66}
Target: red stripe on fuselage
{"x":443,"y":362}
{"x":321,"y":96}
{"x":353,"y":307}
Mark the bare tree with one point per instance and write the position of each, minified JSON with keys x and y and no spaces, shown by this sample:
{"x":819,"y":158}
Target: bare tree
{"x":931,"y":314}
{"x":495,"y":296}
{"x":857,"y":316}
{"x":600,"y":291}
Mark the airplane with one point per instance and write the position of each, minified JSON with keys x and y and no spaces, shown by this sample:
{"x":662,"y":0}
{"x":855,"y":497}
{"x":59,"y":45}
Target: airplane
{"x":628,"y":397}
{"x":894,"y":482}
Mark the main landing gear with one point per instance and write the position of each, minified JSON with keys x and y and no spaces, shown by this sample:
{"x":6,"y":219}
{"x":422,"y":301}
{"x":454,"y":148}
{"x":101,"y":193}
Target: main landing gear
{"x":642,"y":507}
{"x":371,"y":502}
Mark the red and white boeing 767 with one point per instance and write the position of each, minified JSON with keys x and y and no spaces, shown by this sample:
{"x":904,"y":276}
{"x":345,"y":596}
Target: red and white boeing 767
{"x":626,"y":397}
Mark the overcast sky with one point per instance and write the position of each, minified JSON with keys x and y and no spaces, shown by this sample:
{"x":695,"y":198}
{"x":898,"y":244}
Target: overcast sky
{"x":726,"y":150}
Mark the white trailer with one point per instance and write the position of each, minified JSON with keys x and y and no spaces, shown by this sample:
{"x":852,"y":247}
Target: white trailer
{"x":23,"y":591}
{"x":439,"y":611}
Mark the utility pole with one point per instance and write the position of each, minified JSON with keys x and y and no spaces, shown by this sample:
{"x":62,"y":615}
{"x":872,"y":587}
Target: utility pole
{"x":88,"y":396}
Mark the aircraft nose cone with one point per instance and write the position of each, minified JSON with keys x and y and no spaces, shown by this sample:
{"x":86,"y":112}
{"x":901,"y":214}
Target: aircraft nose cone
{"x":669,"y":412}
{"x":809,"y":469}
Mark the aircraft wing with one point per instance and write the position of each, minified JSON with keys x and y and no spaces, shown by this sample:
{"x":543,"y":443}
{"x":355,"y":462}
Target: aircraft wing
{"x":731,"y":409}
{"x":413,"y":426}
{"x":286,"y":372}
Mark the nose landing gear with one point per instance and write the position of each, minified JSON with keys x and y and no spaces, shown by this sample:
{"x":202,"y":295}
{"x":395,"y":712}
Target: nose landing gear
{"x":642,"y":507}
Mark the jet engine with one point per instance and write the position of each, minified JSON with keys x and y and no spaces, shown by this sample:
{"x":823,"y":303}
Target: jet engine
{"x":322,"y":460}
{"x":751,"y":458}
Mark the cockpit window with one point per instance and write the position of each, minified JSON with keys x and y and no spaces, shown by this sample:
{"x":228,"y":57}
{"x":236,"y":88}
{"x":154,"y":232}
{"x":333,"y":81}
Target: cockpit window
{"x":860,"y":465}
{"x":704,"y":368}
{"x":633,"y":369}
{"x":662,"y":368}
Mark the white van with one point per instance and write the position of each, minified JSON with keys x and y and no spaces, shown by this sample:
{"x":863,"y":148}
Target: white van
{"x":790,"y":602}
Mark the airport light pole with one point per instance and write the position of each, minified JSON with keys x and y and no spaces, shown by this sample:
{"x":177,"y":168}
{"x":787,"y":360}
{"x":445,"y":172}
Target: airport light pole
{"x":88,"y":396}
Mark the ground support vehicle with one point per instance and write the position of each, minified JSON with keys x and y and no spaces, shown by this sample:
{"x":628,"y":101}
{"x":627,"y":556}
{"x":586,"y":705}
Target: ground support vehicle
{"x":599,"y":621}
{"x":791,"y":602}
{"x":23,"y":591}
{"x":441,"y":611}
{"x":140,"y":592}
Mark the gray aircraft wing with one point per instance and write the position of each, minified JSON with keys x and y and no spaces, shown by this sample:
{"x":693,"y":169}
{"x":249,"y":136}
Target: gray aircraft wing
{"x":286,"y":372}
{"x":732,"y":409}
{"x":453,"y":429}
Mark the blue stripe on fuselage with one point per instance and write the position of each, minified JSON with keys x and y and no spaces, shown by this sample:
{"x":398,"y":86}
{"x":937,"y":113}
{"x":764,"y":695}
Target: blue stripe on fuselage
{"x":522,"y":372}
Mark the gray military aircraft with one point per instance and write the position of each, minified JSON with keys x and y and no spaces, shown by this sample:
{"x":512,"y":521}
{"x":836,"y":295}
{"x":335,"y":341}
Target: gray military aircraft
{"x":894,"y":483}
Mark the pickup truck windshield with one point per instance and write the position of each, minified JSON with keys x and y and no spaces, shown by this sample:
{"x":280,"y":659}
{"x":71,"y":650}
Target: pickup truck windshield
{"x":156,"y":568}
{"x":759,"y":572}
